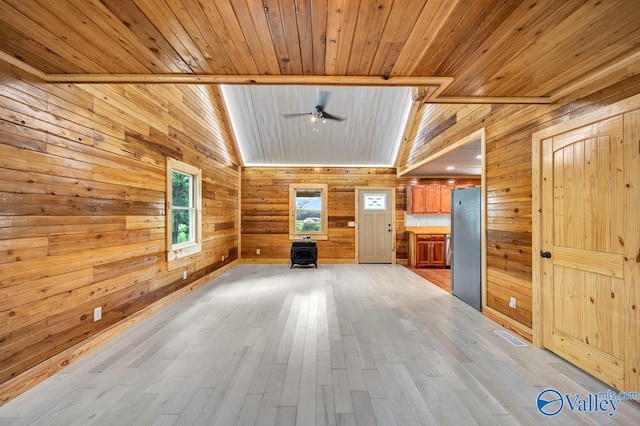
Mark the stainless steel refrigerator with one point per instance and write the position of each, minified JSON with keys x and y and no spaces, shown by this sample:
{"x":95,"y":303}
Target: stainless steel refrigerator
{"x":465,"y":246}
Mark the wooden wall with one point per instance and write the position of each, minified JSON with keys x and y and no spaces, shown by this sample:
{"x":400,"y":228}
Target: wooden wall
{"x":509,"y":191}
{"x":265,"y":210}
{"x":82,"y":198}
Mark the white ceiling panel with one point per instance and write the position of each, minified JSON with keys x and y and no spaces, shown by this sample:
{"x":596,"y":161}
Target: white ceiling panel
{"x":375,"y":118}
{"x":464,"y":161}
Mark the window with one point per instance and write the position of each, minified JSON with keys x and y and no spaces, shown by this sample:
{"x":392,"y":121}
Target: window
{"x":184,"y":209}
{"x":308,"y":211}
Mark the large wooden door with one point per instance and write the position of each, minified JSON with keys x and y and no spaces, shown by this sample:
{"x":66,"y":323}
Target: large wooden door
{"x":588,"y":247}
{"x":375,"y":226}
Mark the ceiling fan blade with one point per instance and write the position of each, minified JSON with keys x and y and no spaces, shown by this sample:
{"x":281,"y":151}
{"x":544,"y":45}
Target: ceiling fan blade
{"x":296,"y":115}
{"x":328,"y":116}
{"x":323,"y":98}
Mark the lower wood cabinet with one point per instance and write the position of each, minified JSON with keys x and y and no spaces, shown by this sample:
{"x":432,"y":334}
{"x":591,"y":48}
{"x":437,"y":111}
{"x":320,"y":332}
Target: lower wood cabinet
{"x":430,"y":251}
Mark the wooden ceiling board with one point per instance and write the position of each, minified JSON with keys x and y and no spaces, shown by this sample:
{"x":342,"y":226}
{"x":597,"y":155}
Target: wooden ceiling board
{"x":175,"y":33}
{"x":484,"y":27}
{"x":394,"y":35}
{"x":305,"y":34}
{"x":79,"y":31}
{"x":485,"y":71}
{"x":45,"y":43}
{"x":458,"y":30}
{"x":205,"y":45}
{"x":332,"y":36}
{"x":288,"y":20}
{"x":490,"y":51}
{"x":319,"y":35}
{"x":489,"y":47}
{"x":424,"y":31}
{"x":149,"y":36}
{"x":99,"y":23}
{"x":349,"y":16}
{"x":618,"y":39}
{"x":254,"y":25}
{"x":371,"y":23}
{"x":17,"y":43}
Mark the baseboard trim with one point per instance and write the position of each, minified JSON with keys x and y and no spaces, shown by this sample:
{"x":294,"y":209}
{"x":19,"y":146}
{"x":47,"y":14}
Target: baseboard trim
{"x":508,"y":323}
{"x":30,"y":378}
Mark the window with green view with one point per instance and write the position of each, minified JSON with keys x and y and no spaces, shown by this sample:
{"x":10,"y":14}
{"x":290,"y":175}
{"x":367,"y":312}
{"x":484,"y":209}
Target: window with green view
{"x":184,"y":209}
{"x":308,"y":211}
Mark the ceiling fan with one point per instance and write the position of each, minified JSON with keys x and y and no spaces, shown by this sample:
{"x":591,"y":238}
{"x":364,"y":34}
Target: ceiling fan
{"x":319,"y":114}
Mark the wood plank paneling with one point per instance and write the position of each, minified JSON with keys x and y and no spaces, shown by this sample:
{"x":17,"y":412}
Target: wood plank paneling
{"x":82,"y":220}
{"x":495,"y":49}
{"x":265,"y":209}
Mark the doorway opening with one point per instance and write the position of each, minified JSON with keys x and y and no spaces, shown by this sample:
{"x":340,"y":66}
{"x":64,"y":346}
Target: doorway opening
{"x":435,"y":167}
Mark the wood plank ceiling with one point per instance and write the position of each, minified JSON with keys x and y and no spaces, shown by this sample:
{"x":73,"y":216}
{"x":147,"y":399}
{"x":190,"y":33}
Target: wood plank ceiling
{"x":490,"y":50}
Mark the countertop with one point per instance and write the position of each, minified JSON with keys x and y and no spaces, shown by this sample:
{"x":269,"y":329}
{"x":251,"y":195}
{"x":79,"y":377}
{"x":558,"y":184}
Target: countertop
{"x":429,"y":229}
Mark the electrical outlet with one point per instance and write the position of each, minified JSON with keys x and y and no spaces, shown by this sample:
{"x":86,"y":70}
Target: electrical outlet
{"x":97,"y":313}
{"x":512,"y":303}
{"x":184,"y":275}
{"x":257,"y":251}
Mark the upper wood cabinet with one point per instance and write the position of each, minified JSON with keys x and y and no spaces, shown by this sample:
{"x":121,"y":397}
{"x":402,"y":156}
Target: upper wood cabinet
{"x":445,"y":198}
{"x":416,"y":199}
{"x":431,"y":198}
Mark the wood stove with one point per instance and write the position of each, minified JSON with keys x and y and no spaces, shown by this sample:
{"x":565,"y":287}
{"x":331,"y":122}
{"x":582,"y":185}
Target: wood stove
{"x":304,"y":252}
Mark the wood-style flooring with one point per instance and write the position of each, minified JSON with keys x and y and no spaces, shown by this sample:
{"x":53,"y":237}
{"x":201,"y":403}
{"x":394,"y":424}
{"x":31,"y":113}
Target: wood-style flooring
{"x":437,"y":276}
{"x":337,"y":345}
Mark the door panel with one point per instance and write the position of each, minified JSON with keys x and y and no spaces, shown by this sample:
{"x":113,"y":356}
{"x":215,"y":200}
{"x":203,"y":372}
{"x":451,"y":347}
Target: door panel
{"x":433,"y":198}
{"x":584,"y":228}
{"x":419,"y":200}
{"x":375,"y":226}
{"x":438,"y":252}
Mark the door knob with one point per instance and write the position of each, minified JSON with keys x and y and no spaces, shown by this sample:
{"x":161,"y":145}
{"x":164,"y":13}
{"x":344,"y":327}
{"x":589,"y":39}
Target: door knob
{"x":545,"y":254}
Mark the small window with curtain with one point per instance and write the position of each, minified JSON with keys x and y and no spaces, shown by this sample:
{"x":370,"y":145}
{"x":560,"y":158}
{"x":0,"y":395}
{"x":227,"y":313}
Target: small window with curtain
{"x":184,"y":209}
{"x":308,"y":211}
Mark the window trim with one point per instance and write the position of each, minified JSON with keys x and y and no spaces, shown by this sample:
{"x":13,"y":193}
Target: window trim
{"x":179,"y":250}
{"x":324,"y":234}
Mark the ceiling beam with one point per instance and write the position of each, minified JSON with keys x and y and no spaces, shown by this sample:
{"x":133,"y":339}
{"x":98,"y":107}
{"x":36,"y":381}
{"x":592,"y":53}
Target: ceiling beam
{"x":439,"y":84}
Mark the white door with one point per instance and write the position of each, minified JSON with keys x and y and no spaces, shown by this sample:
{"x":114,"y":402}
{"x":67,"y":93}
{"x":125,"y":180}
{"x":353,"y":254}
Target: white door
{"x":375,"y":225}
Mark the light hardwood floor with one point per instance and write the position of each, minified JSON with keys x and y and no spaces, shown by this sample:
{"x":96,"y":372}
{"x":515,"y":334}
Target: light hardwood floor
{"x":337,"y":345}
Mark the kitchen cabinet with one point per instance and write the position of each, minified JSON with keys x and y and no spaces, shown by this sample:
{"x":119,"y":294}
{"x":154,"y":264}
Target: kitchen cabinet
{"x":430,"y":251}
{"x":432,"y":198}
{"x":416,"y":199}
{"x":445,"y":198}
